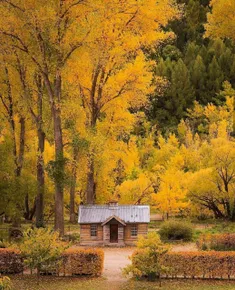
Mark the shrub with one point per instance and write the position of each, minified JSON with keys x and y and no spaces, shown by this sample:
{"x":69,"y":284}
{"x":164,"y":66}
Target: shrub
{"x":4,"y":244}
{"x":176,"y":230}
{"x":200,"y":264}
{"x":15,"y":234}
{"x":83,"y":262}
{"x":11,"y":261}
{"x":41,"y":249}
{"x":147,"y":260}
{"x":5,"y":283}
{"x":217,"y":242}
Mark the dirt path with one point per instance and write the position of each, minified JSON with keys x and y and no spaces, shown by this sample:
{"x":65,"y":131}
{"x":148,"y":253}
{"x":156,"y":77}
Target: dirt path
{"x":117,"y":258}
{"x":114,"y":260}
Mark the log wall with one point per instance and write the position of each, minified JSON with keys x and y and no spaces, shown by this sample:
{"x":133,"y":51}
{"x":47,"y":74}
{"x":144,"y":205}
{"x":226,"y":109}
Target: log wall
{"x":130,"y":240}
{"x":103,"y":235}
{"x":85,"y":235}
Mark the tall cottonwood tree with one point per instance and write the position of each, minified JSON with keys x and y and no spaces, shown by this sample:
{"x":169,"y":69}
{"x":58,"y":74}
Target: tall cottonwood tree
{"x":32,"y":94}
{"x":117,"y":74}
{"x":16,"y":119}
{"x":48,"y":33}
{"x":111,"y":73}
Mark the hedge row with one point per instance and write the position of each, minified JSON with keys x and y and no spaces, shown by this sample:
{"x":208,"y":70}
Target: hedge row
{"x":217,"y":242}
{"x":72,"y":262}
{"x":200,"y":264}
{"x":83,"y":262}
{"x":10,"y":261}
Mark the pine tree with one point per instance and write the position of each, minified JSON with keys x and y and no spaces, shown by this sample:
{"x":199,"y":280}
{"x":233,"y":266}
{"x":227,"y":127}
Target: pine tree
{"x":191,"y":53}
{"x":199,"y":78}
{"x":181,"y":90}
{"x":215,"y":78}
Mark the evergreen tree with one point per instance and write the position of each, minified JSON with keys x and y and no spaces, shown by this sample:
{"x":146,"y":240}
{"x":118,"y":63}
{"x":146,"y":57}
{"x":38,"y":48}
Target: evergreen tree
{"x":215,"y":79}
{"x":194,"y":66}
{"x":199,"y":78}
{"x":181,"y":90}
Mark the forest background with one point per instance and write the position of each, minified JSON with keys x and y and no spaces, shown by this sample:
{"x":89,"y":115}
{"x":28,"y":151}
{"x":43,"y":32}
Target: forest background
{"x":115,"y":106}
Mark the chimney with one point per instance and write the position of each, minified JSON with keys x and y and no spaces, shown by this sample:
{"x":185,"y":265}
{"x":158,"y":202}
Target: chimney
{"x":113,"y":203}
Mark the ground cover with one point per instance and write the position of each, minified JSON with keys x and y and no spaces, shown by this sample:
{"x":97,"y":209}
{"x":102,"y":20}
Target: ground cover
{"x":75,"y":283}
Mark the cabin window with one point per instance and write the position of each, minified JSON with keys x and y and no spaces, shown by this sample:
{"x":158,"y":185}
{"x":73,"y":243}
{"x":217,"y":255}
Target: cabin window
{"x":134,"y":230}
{"x":93,"y":230}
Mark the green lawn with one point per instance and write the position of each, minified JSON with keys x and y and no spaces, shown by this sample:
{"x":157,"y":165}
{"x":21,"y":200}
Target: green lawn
{"x":58,"y":283}
{"x":217,"y":227}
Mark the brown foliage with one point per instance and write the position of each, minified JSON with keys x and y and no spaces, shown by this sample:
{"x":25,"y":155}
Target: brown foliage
{"x":83,"y":262}
{"x":11,"y":261}
{"x":200,"y":264}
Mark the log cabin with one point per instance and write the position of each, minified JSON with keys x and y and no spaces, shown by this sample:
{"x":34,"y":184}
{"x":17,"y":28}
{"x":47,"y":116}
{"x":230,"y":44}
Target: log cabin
{"x":112,"y":224}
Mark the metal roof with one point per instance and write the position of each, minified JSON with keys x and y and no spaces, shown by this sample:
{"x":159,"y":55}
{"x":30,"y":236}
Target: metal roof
{"x":100,"y":213}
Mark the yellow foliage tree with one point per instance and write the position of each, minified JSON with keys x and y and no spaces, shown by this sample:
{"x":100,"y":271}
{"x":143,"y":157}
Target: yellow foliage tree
{"x":110,"y":73}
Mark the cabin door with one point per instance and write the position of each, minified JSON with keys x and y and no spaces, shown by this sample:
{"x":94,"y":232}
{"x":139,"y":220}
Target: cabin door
{"x":113,"y":233}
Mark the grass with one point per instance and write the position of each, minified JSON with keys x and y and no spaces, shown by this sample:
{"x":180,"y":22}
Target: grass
{"x":214,"y":228}
{"x":61,"y":283}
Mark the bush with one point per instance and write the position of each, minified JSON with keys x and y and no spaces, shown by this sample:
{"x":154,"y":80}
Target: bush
{"x":83,"y":262}
{"x":217,"y":242}
{"x":5,"y":283}
{"x":176,"y":230}
{"x":41,"y":249}
{"x":147,"y":260}
{"x":200,"y":264}
{"x":74,"y":238}
{"x":11,"y":261}
{"x":4,"y":244}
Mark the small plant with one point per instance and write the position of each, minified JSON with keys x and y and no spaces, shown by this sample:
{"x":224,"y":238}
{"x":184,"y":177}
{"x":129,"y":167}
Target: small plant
{"x":5,"y":283}
{"x":147,"y":260}
{"x":176,"y":230}
{"x":41,"y":248}
{"x":4,"y":244}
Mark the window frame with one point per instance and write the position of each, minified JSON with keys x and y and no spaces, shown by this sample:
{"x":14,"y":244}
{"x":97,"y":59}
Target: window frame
{"x":134,"y":230}
{"x":93,"y":230}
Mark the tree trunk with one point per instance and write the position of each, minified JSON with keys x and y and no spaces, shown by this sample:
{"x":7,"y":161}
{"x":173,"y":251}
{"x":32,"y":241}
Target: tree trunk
{"x":55,"y":96}
{"x":29,"y":213}
{"x":59,"y":194}
{"x":19,"y":165}
{"x":32,"y":211}
{"x":217,"y":212}
{"x":26,"y":206}
{"x":90,"y":181}
{"x":232,"y":217}
{"x":38,"y":119}
{"x":40,"y":180}
{"x":73,"y":187}
{"x":21,"y":148}
{"x":72,"y":214}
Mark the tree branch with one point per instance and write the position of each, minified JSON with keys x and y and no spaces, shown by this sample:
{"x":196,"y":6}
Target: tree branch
{"x":13,"y":5}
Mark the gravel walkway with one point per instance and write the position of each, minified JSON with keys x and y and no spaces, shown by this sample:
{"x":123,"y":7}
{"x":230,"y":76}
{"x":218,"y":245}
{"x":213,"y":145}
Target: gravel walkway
{"x":114,"y":260}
